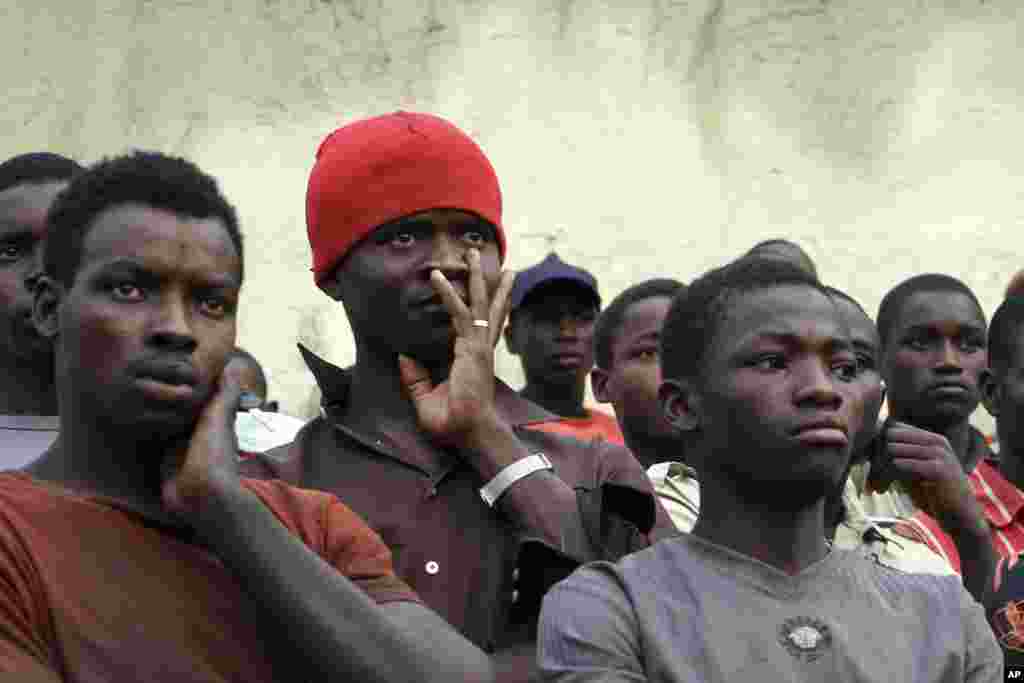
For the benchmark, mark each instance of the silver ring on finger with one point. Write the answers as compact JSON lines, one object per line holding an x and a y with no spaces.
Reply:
{"x":479,"y":322}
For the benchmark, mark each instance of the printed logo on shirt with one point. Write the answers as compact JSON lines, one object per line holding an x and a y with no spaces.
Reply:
{"x":806,"y":638}
{"x":1008,"y":623}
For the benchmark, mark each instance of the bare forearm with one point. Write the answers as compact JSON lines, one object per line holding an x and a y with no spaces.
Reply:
{"x":541,"y":504}
{"x":978,"y":560}
{"x":313,"y":614}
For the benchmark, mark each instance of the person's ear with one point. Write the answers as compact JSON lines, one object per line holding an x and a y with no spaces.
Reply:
{"x":991,"y":392}
{"x":46,"y":302}
{"x":599,"y":383}
{"x":681,"y":404}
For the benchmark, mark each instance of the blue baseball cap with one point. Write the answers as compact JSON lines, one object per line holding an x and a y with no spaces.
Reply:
{"x":552,"y":269}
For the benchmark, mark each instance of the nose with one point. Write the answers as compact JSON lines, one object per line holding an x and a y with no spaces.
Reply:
{"x":569,"y":327}
{"x":171,"y":328}
{"x":818,"y":386}
{"x":949,"y":359}
{"x":449,"y":256}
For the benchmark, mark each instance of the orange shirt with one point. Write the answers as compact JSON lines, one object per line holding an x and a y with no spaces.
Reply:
{"x":596,"y":425}
{"x":91,"y":592}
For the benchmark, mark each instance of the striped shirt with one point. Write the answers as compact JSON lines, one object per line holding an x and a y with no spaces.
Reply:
{"x":1003,"y":505}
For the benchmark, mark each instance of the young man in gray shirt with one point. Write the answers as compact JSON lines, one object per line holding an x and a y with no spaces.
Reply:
{"x":760,"y":373}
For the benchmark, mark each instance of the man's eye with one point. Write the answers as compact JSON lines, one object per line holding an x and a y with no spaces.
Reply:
{"x":847,"y":371}
{"x":970,"y":345}
{"x":127,"y":291}
{"x":865,"y":362}
{"x":916,"y":343}
{"x":769,"y":363}
{"x":403,"y":239}
{"x":474,"y":237}
{"x":647,"y":354}
{"x":11,"y":252}
{"x":216,"y":307}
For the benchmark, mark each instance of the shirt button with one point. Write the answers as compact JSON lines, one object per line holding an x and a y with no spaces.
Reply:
{"x":515,"y":574}
{"x":432,"y":567}
{"x":515,"y":597}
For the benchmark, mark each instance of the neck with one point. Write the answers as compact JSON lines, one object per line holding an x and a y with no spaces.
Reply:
{"x":375,"y":381}
{"x":27,"y":388}
{"x":789,"y":539}
{"x":560,"y":400}
{"x":94,"y":457}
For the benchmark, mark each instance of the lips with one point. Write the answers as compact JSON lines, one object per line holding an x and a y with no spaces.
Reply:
{"x":175,"y":374}
{"x":949,"y":389}
{"x":826,"y":432}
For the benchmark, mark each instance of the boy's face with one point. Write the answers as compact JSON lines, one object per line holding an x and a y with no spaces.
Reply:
{"x":935,"y":359}
{"x":777,"y":407}
{"x":553,"y":331}
{"x":631,"y":384}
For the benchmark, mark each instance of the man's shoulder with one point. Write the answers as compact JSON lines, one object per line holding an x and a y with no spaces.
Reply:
{"x":24,"y":491}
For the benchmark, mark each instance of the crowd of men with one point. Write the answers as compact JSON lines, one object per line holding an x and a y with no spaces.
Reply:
{"x":747,"y":514}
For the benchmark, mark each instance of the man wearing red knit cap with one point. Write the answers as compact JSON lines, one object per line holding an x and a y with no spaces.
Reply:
{"x":418,"y":437}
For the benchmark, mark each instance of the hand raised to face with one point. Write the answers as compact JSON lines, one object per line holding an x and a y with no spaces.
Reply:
{"x":454,"y":408}
{"x":210,"y":460}
{"x":926,"y":466}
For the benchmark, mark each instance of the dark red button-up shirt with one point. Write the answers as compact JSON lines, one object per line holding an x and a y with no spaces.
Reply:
{"x":468,"y":562}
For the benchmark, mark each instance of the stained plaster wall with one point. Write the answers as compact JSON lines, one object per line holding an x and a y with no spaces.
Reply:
{"x":637,"y":138}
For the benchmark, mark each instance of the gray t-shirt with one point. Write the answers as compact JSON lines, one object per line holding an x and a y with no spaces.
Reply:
{"x":23,"y":438}
{"x":687,"y":611}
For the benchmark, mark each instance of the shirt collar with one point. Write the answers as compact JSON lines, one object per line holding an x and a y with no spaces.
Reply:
{"x":334,"y":387}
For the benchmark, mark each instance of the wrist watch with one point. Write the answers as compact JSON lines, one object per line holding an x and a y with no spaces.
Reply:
{"x":511,"y":474}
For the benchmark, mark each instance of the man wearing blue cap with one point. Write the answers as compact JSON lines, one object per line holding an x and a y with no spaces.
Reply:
{"x":551,"y":326}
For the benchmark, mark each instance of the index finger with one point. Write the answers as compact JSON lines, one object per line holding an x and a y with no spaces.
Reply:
{"x":905,"y":433}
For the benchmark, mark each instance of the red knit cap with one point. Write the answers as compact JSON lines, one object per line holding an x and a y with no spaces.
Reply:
{"x":380,"y":169}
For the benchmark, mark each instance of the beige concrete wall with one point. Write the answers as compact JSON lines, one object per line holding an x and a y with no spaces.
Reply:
{"x":640,"y":138}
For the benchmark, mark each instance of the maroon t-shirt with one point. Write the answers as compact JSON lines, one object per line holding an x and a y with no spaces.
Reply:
{"x":93,"y":593}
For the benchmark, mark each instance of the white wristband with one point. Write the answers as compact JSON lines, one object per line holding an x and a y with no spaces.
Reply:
{"x":511,"y":474}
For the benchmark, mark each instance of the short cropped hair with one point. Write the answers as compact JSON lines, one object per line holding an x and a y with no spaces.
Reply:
{"x":1016,"y":285}
{"x":148,"y":178}
{"x":697,"y":313}
{"x":891,"y":308}
{"x":808,"y":261}
{"x":607,"y":327}
{"x":37,"y":168}
{"x":1004,"y":332}
{"x":838,"y":293}
{"x":251,"y":361}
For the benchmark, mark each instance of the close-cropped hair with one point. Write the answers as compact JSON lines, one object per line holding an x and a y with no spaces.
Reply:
{"x":37,"y":168}
{"x":840,"y":294}
{"x":891,"y":308}
{"x":606,"y":329}
{"x":151,"y":179}
{"x":692,"y":323}
{"x":1016,"y":285}
{"x":1004,"y":333}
